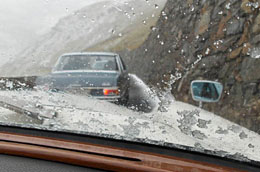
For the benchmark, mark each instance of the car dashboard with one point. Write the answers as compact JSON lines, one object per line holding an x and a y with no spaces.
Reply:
{"x":55,"y":151}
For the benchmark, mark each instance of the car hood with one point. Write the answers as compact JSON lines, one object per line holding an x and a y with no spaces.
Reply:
{"x":80,"y":79}
{"x":182,"y":126}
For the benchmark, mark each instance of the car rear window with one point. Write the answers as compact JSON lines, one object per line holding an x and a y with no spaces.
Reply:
{"x":87,"y":62}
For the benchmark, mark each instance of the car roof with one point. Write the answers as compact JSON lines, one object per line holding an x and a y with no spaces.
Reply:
{"x":91,"y":53}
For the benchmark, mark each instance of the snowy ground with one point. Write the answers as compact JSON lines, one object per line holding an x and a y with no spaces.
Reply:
{"x":179,"y":124}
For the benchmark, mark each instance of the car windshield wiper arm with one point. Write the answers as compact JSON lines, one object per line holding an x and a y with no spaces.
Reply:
{"x":27,"y":108}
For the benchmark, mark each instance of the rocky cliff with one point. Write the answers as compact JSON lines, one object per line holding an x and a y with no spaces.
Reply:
{"x":217,"y":40}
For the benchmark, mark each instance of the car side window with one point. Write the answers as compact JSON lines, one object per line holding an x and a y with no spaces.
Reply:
{"x":123,"y":64}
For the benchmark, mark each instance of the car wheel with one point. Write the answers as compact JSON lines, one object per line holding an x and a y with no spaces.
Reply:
{"x":124,"y":100}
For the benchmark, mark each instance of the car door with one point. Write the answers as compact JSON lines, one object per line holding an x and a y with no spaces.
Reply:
{"x":124,"y":79}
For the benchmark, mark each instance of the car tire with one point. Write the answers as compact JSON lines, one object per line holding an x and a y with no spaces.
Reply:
{"x":124,"y":100}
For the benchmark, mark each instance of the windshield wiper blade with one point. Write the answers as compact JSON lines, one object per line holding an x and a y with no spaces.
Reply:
{"x":27,"y":108}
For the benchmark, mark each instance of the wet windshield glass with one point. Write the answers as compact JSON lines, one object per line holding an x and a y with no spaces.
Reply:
{"x":174,"y":73}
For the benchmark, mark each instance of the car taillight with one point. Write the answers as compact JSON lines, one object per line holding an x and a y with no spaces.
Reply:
{"x":108,"y":92}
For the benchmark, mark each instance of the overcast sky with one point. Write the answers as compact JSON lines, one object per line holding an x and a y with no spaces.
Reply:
{"x":21,"y":21}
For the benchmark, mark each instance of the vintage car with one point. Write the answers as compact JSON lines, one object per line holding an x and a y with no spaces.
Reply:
{"x":97,"y":74}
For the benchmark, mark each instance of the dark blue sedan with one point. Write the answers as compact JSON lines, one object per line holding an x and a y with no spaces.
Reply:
{"x":98,"y":74}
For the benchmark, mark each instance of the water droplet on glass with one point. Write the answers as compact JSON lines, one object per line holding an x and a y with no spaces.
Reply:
{"x":163,"y":13}
{"x":228,"y":6}
{"x":207,"y":51}
{"x":192,"y":8}
{"x":161,"y":42}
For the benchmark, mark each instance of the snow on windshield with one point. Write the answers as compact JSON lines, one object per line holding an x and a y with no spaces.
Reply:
{"x":180,"y":125}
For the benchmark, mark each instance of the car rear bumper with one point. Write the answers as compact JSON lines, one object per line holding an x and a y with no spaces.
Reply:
{"x":95,"y":92}
{"x":108,"y":98}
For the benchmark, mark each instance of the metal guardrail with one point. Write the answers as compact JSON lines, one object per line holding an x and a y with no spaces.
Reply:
{"x":13,"y":83}
{"x":27,"y":108}
{"x":21,"y":106}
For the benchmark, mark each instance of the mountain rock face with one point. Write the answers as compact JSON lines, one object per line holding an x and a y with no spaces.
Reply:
{"x":215,"y":40}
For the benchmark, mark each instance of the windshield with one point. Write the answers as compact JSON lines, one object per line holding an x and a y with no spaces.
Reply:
{"x":86,"y":62}
{"x":179,"y":74}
